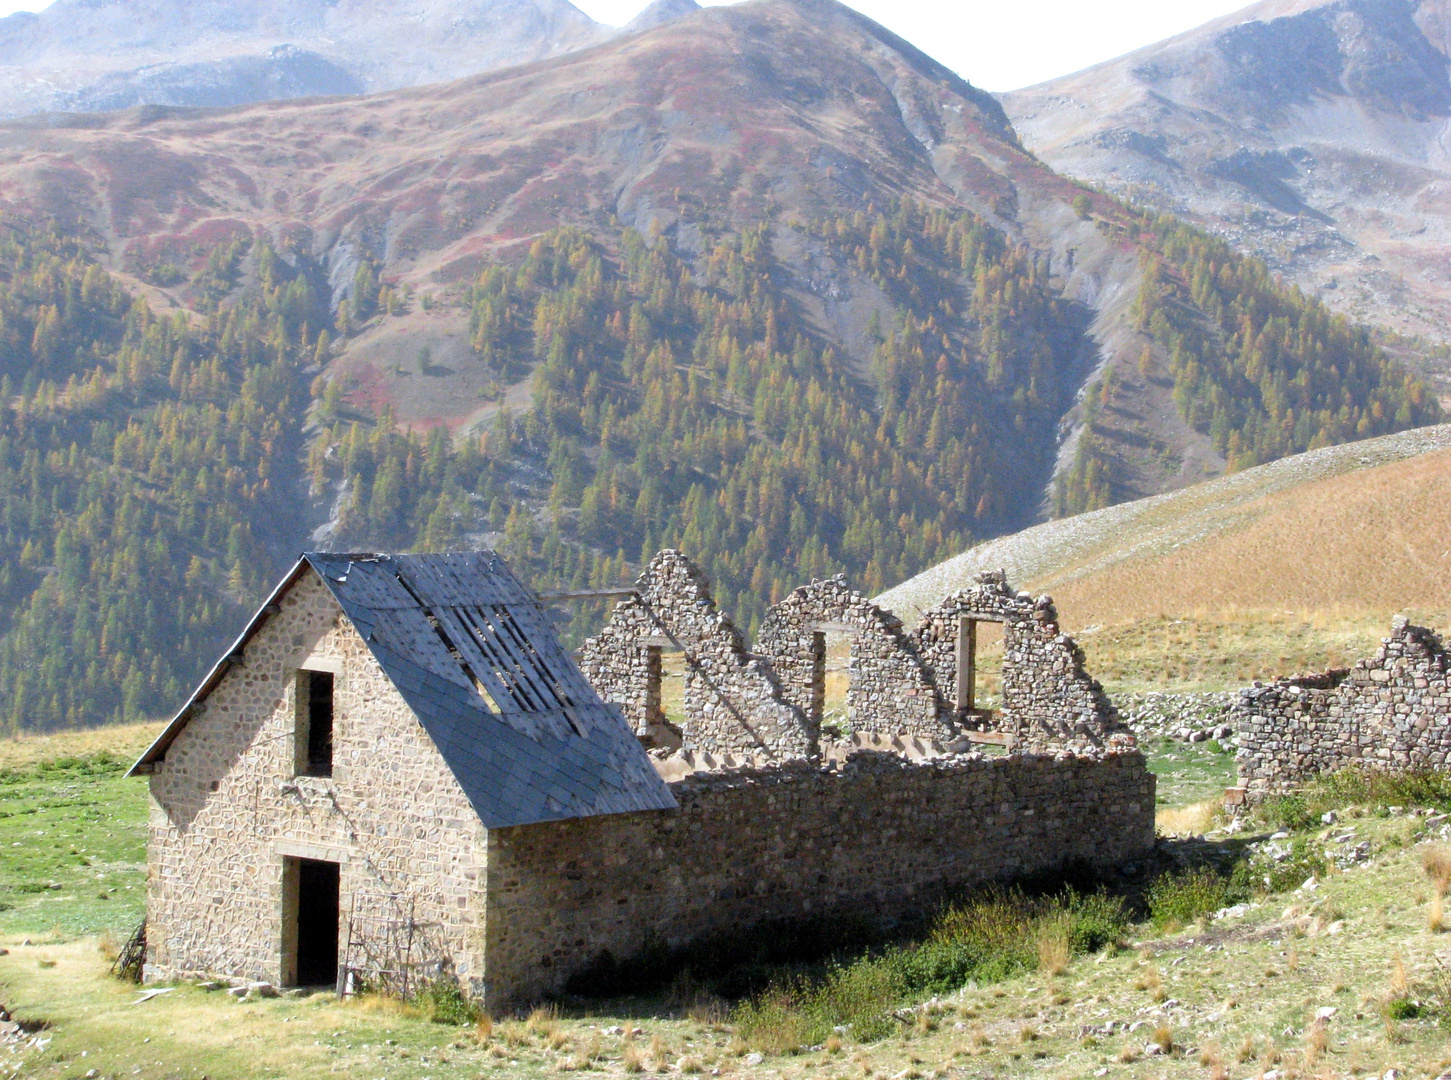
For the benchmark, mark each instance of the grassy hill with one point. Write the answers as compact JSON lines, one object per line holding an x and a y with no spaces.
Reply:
{"x":1298,"y":564}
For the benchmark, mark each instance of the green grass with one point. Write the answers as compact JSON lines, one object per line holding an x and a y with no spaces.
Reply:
{"x":1190,"y":772}
{"x":72,"y":848}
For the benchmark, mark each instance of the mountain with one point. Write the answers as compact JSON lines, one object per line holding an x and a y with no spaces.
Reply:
{"x":87,"y":55}
{"x":763,"y":282}
{"x":1211,"y":585}
{"x":1311,"y":134}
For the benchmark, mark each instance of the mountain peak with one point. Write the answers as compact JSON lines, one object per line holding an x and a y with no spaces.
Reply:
{"x":661,"y":11}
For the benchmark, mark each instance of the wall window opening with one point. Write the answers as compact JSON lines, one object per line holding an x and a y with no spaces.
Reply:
{"x":979,"y":669}
{"x":315,"y":723}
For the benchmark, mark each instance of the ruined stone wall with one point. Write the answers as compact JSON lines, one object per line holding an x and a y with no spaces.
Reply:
{"x":882,"y":837}
{"x":890,"y":690}
{"x":1390,"y":712}
{"x":1049,"y":701}
{"x":732,"y":701}
{"x":227,"y":809}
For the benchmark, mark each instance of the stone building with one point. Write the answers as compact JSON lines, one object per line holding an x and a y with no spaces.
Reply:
{"x":1389,"y":712}
{"x":397,"y":773}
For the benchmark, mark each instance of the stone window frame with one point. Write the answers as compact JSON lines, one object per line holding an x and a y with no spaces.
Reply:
{"x":301,"y":718}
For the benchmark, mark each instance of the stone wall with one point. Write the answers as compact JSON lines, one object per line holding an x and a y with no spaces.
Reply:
{"x":890,"y":690}
{"x":227,"y":810}
{"x":732,"y":700}
{"x":768,"y":703}
{"x":1389,"y":712}
{"x":880,"y":837}
{"x":1049,"y":701}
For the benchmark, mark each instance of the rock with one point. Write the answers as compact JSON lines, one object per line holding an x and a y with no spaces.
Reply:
{"x":209,"y":985}
{"x":752,"y":1060}
{"x":1310,"y":886}
{"x":615,"y":1030}
{"x":237,"y":992}
{"x":262,"y":990}
{"x":1152,"y":1049}
{"x":1283,"y":834}
{"x":1325,"y":1012}
{"x":1329,"y":817}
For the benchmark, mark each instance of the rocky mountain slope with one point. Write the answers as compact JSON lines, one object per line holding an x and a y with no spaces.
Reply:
{"x":1312,"y":133}
{"x":764,"y":282}
{"x":78,"y":56}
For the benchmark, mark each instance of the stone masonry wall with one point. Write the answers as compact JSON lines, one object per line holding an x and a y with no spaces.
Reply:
{"x":227,"y":809}
{"x":1389,"y":712}
{"x":882,"y":837}
{"x":889,"y":689}
{"x":764,"y":703}
{"x":1049,"y":701}
{"x":732,"y":700}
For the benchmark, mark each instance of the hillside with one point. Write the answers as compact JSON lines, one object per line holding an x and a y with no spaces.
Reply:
{"x":1293,"y":565}
{"x":81,"y":56}
{"x":1310,"y":133}
{"x":765,"y":283}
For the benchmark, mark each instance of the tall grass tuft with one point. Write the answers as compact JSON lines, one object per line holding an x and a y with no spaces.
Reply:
{"x":990,"y":937}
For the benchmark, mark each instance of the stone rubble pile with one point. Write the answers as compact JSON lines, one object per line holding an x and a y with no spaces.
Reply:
{"x":1191,"y":718}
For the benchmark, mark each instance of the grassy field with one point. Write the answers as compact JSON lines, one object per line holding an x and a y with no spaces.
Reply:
{"x":1229,"y":998}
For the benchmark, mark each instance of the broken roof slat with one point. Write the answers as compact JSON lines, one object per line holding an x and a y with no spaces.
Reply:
{"x":535,"y":624}
{"x":493,"y":629}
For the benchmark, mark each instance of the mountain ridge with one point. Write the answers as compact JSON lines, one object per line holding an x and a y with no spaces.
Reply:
{"x":78,"y":56}
{"x":1311,"y":134}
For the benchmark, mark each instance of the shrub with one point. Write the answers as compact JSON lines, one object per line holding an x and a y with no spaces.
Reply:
{"x":443,"y":1002}
{"x":1177,"y":899}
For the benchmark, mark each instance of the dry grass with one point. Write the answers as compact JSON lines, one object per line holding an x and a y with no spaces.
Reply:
{"x":1436,"y":861}
{"x":124,"y":741}
{"x":1209,"y":589}
{"x":1194,"y":820}
{"x":1054,"y":948}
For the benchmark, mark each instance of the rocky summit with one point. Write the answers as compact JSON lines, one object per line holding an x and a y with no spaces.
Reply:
{"x":1310,"y":133}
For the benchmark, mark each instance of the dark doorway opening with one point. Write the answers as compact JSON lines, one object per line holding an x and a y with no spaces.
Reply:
{"x":317,"y":923}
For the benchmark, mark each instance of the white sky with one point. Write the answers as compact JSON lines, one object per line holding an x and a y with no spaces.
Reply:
{"x":995,"y":44}
{"x":1006,"y":44}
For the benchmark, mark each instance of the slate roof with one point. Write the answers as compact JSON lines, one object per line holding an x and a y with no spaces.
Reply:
{"x":473,"y":654}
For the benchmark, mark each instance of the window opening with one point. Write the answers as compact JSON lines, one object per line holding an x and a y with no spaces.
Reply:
{"x":979,"y":668}
{"x":831,"y":648}
{"x":315,"y":723}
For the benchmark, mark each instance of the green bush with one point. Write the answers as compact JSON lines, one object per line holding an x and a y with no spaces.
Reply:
{"x":1177,"y":899}
{"x":1355,"y":787}
{"x":1404,"y":1009}
{"x":443,"y":1002}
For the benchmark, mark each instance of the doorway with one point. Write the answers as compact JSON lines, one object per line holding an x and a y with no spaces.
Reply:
{"x":315,"y":925}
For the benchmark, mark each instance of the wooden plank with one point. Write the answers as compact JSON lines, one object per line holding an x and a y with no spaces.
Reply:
{"x":553,"y":595}
{"x":993,"y":738}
